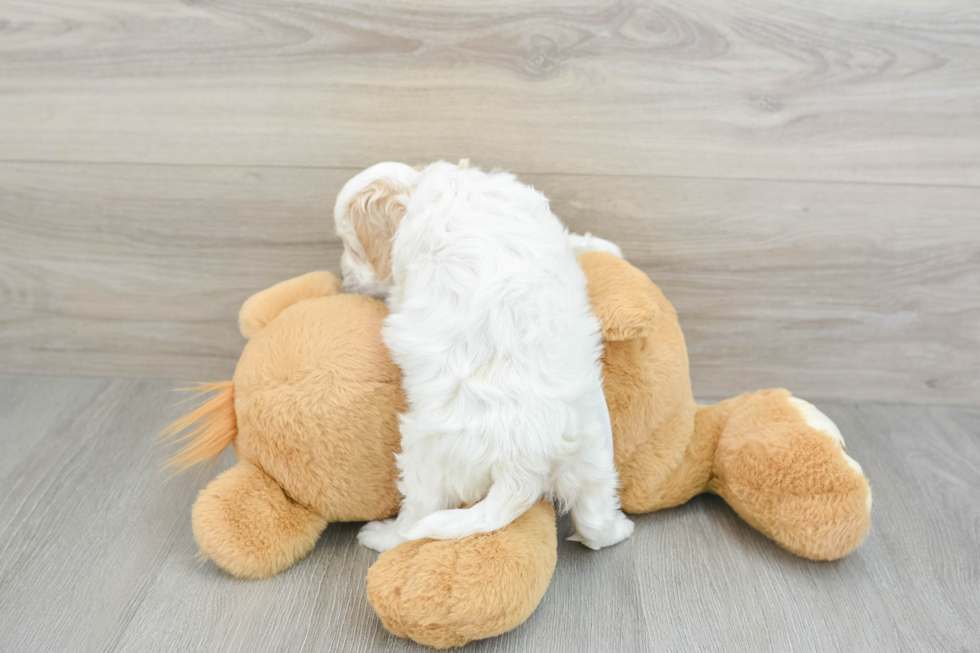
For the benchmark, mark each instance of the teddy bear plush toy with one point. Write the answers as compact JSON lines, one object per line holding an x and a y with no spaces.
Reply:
{"x":312,"y":413}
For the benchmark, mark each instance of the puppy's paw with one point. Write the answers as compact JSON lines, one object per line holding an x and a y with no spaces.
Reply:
{"x":614,"y":533}
{"x":380,"y":535}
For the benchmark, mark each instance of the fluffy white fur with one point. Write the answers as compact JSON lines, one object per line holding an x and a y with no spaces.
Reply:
{"x":491,"y":325}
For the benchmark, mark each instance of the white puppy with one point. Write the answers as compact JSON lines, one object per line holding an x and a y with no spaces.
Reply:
{"x":491,"y":325}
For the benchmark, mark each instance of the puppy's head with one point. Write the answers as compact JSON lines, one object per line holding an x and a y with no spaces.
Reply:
{"x":367,"y":213}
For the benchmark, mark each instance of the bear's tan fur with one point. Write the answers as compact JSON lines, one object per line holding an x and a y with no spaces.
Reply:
{"x":312,"y":413}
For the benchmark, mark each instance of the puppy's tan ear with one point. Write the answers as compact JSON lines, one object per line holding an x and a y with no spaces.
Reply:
{"x":368,"y":211}
{"x":374,"y":214}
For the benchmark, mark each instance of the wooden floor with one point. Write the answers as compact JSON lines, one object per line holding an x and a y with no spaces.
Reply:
{"x":96,"y":552}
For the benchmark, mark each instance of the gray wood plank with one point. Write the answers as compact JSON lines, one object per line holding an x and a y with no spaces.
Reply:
{"x":83,"y":529}
{"x":140,"y":271}
{"x":871,"y":91}
{"x":843,"y":292}
{"x":837,"y":291}
{"x":96,"y":551}
{"x":909,"y":587}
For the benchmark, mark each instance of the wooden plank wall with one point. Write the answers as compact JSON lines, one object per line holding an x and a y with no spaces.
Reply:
{"x":802,"y":179}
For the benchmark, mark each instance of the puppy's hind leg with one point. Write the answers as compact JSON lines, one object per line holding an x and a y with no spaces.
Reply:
{"x":422,"y":494}
{"x":589,"y":483}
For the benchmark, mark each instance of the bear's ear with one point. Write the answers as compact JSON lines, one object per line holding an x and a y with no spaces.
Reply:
{"x":623,"y":298}
{"x":263,"y":307}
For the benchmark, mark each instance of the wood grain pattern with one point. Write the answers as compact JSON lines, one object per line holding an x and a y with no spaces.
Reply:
{"x":142,"y":270}
{"x":872,"y":91}
{"x":802,"y":180}
{"x":837,"y":291}
{"x":96,"y":552}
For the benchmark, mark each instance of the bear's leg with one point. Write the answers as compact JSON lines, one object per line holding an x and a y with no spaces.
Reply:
{"x":444,"y":593}
{"x":245,"y":523}
{"x":781,"y":464}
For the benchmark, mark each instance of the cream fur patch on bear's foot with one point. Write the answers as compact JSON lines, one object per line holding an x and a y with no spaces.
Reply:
{"x":820,"y":422}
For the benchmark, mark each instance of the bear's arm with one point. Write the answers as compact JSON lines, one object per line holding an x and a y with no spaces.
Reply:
{"x":623,"y":298}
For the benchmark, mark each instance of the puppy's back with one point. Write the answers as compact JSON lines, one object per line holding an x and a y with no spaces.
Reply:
{"x":490,"y":293}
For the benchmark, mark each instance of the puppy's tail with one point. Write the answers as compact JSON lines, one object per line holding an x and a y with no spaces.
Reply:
{"x":505,"y":502}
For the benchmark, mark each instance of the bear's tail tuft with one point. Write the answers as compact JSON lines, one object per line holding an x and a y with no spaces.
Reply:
{"x":210,"y":427}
